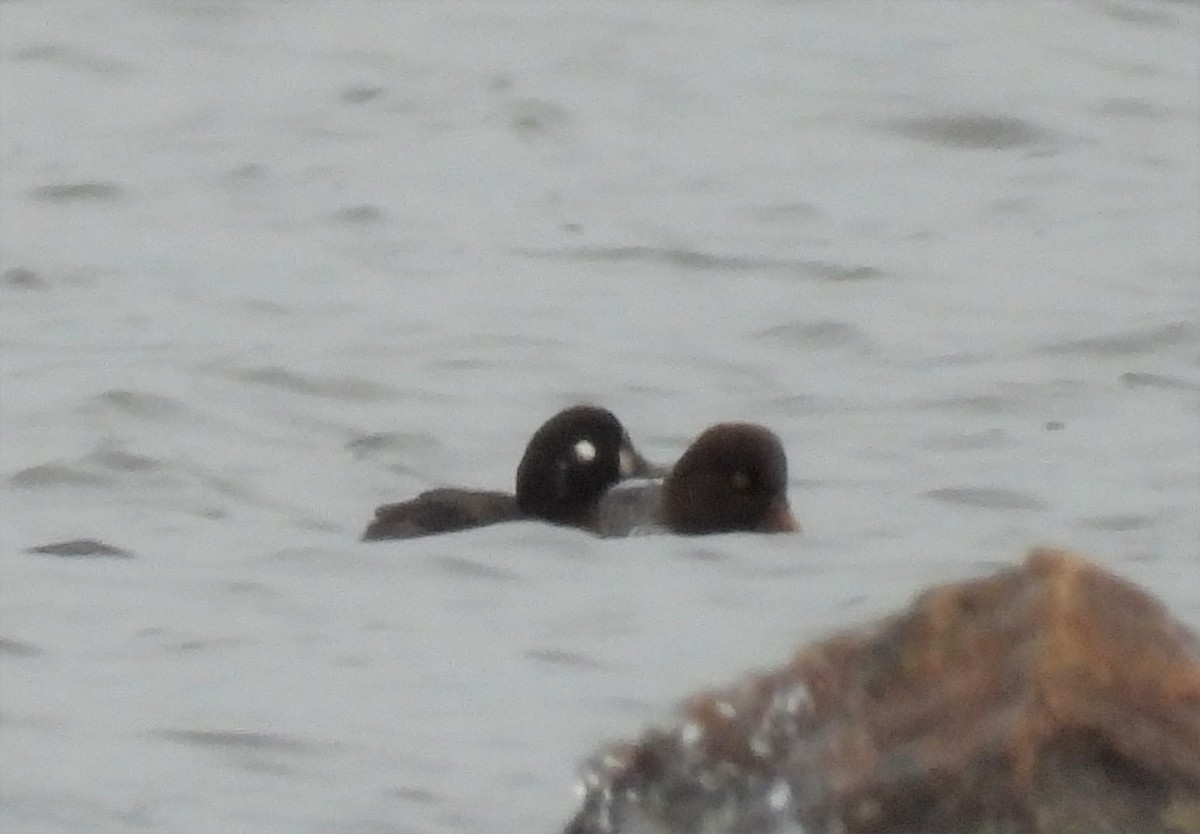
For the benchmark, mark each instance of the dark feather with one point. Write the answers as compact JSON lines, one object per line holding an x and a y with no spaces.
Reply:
{"x":441,"y":511}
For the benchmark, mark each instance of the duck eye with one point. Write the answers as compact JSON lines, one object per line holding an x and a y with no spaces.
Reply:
{"x":585,"y":451}
{"x":740,"y":480}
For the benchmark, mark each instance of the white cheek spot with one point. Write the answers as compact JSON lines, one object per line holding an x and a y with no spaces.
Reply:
{"x":585,"y":451}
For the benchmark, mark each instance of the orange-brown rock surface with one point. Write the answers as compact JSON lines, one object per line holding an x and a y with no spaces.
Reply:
{"x":1053,"y":698}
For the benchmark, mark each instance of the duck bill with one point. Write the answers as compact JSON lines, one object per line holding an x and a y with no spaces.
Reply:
{"x":781,"y":519}
{"x":633,"y":465}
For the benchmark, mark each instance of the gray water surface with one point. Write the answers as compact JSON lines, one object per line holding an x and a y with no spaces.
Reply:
{"x":265,"y":265}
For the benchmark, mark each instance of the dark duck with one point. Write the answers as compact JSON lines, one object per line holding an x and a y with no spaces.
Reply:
{"x":733,"y":478}
{"x":568,"y":465}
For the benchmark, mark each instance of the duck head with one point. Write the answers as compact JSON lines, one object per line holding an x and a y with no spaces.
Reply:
{"x":732,"y":478}
{"x":572,"y":460}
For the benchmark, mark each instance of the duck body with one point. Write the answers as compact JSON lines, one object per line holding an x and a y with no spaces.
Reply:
{"x":443,"y":510}
{"x":630,"y":508}
{"x":569,"y":463}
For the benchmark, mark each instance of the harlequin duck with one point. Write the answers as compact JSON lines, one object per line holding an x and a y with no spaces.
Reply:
{"x":568,"y":465}
{"x":732,"y":478}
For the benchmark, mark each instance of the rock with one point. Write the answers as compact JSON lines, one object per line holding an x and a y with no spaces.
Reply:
{"x":81,"y":547}
{"x":1053,"y":698}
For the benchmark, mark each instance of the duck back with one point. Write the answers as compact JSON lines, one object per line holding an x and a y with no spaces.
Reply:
{"x":441,"y":511}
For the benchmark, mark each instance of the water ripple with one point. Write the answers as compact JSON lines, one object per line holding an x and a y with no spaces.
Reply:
{"x":993,"y":498}
{"x":1119,"y":522}
{"x":18,"y":648}
{"x":141,"y":403}
{"x":75,"y":59}
{"x":236,"y":740}
{"x":56,"y":474}
{"x":816,"y":334}
{"x":560,"y":657}
{"x":78,"y":192}
{"x":972,"y":131}
{"x":689,"y":259}
{"x":80,"y":548}
{"x":1137,"y":379}
{"x":341,"y":388}
{"x":461,"y":566}
{"x":1129,"y":343}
